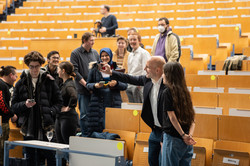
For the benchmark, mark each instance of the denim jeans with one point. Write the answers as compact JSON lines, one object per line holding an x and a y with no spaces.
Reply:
{"x":154,"y":147}
{"x":175,"y":152}
{"x":83,"y":101}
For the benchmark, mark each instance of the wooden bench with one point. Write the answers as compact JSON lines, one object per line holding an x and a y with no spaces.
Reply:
{"x":230,"y":100}
{"x":233,"y":150}
{"x":129,"y":138}
{"x":141,"y":150}
{"x":122,"y":119}
{"x":208,"y":145}
{"x":195,"y":80}
{"x":241,"y":82}
{"x":206,"y":126}
{"x":234,"y":128}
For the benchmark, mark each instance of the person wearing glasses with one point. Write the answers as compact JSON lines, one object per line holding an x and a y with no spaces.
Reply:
{"x":36,"y":101}
{"x":53,"y":59}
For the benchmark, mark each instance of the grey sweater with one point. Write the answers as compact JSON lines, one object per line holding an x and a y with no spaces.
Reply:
{"x":80,"y":58}
{"x":110,"y":23}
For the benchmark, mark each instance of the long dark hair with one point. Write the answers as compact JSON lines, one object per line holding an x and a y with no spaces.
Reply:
{"x":175,"y":81}
{"x":6,"y":70}
{"x":68,"y":67}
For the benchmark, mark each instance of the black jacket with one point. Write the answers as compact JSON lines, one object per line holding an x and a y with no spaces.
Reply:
{"x":147,"y":114}
{"x":48,"y":102}
{"x":58,"y":80}
{"x":69,"y":95}
{"x":5,"y":111}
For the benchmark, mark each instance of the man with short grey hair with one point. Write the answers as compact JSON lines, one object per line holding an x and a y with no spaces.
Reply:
{"x":152,"y":109}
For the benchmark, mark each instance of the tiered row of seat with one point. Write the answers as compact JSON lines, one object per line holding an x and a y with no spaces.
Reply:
{"x":220,"y":94}
{"x":212,"y":30}
{"x":213,"y":133}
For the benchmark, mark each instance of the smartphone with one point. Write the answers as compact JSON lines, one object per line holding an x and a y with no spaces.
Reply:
{"x":31,"y":100}
{"x":102,"y":82}
{"x":100,"y":66}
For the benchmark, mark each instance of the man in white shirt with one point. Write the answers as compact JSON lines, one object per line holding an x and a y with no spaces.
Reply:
{"x":152,"y":109}
{"x":136,"y":63}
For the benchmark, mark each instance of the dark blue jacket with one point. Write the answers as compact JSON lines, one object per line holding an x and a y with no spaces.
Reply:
{"x":100,"y":99}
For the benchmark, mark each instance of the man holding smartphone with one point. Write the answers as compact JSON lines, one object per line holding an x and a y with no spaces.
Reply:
{"x":37,"y":100}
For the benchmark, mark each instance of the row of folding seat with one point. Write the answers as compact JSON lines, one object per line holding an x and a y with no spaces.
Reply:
{"x":129,"y":17}
{"x":142,"y":3}
{"x":117,"y":10}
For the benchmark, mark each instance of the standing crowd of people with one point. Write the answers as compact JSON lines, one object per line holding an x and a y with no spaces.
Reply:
{"x":44,"y":99}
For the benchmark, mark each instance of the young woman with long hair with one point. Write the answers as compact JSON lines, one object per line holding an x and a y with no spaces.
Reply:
{"x":178,"y":118}
{"x":120,"y":56}
{"x":67,"y":120}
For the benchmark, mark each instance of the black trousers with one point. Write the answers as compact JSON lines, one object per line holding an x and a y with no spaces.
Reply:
{"x":36,"y":157}
{"x":66,"y":126}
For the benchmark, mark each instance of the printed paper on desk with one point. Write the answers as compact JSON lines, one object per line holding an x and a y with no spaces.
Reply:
{"x":194,"y":156}
{"x":145,"y":149}
{"x":231,"y":161}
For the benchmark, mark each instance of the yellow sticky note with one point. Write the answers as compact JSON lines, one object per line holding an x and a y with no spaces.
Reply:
{"x":236,"y":28}
{"x":8,"y":32}
{"x":181,"y":39}
{"x":20,"y":62}
{"x":135,"y":112}
{"x":119,"y":146}
{"x":213,"y":77}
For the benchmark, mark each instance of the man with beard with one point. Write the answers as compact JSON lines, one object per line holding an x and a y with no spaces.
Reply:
{"x":166,"y":44}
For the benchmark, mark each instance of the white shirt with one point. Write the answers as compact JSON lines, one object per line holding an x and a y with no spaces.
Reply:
{"x":154,"y":100}
{"x":137,"y":61}
{"x":34,"y":81}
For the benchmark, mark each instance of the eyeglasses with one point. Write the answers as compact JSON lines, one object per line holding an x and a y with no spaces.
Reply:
{"x":54,"y":57}
{"x":34,"y":67}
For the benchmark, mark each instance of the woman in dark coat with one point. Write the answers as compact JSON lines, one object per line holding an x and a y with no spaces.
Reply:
{"x":36,"y":101}
{"x":105,"y":93}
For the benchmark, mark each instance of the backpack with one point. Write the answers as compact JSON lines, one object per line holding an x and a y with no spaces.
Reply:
{"x":233,"y":63}
{"x":179,"y":45}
